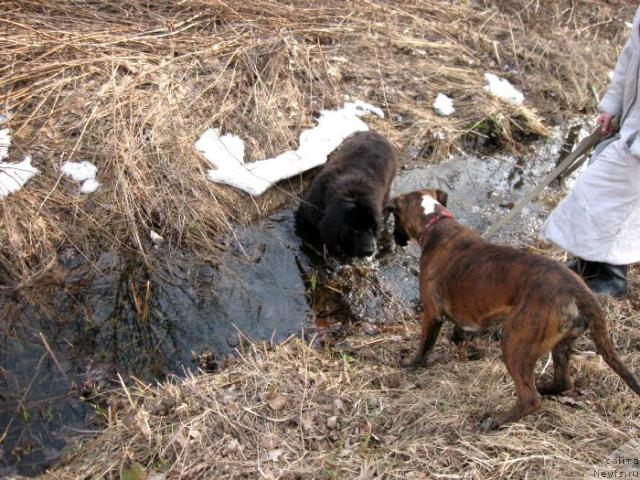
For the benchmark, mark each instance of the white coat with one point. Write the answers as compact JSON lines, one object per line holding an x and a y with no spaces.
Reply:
{"x":599,"y":220}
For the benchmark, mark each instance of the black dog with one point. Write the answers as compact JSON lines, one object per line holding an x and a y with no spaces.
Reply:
{"x":343,"y":206}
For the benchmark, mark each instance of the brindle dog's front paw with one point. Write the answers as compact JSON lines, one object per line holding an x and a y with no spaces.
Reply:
{"x":414,"y":363}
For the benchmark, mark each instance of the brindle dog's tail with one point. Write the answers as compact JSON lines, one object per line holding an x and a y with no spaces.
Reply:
{"x":597,"y":323}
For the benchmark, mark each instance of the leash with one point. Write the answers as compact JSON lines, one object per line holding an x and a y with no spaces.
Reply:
{"x":576,"y":158}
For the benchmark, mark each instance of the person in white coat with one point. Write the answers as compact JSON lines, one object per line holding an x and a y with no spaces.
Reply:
{"x":599,"y":220}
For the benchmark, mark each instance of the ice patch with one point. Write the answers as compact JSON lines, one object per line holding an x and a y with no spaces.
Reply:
{"x":628,"y":24}
{"x":443,"y":105}
{"x":13,"y":176}
{"x":610,"y":74}
{"x":82,"y":172}
{"x":501,"y":88}
{"x":226,"y":152}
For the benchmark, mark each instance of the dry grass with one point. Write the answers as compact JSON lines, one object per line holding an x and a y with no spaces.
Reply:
{"x":131,"y":85}
{"x":299,"y":412}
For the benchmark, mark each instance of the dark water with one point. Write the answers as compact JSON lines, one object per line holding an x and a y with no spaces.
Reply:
{"x":106,"y":318}
{"x":118,"y":315}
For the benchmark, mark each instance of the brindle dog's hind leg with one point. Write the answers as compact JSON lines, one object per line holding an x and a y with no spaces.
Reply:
{"x":520,"y":351}
{"x":562,"y":380}
{"x":431,"y":325}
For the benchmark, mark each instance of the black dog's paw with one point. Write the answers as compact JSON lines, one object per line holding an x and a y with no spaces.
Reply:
{"x":303,"y":227}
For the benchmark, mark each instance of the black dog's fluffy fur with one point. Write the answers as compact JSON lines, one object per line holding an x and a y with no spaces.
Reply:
{"x":343,"y":206}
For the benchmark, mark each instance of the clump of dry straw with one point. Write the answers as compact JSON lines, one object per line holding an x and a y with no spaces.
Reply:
{"x":131,"y":85}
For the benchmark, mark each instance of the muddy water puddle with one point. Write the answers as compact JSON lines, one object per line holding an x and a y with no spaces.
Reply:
{"x":115,"y":315}
{"x":107,"y":319}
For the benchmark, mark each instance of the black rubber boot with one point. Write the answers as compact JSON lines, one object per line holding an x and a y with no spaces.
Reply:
{"x":584,"y":268}
{"x":610,"y":280}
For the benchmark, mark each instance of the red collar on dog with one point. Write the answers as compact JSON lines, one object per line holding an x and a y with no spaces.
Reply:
{"x":435,"y":218}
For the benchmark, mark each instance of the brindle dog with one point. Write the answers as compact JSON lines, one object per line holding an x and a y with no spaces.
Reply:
{"x":543,"y":306}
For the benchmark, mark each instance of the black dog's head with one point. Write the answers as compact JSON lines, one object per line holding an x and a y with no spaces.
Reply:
{"x":410,"y":211}
{"x":350,"y":226}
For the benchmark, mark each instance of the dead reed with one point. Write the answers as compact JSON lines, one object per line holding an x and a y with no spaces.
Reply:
{"x":130,"y":85}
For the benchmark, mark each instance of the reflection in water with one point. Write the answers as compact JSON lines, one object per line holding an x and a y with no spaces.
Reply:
{"x":118,"y":315}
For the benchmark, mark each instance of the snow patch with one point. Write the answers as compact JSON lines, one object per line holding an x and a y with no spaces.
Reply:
{"x":503,"y":89}
{"x":5,"y":142}
{"x":443,"y":105}
{"x":156,"y":238}
{"x":79,"y":171}
{"x":82,"y":172}
{"x":610,"y":74}
{"x":360,"y":108}
{"x":89,"y":186}
{"x":226,"y":152}
{"x":13,"y":176}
